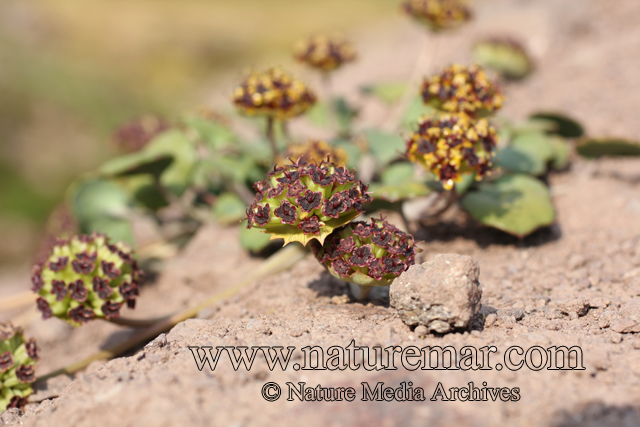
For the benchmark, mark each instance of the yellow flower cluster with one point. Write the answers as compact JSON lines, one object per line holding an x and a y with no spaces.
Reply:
{"x":325,"y":52}
{"x":453,"y":145}
{"x":460,"y":89}
{"x":274,"y":93}
{"x":314,"y":150}
{"x":438,"y":14}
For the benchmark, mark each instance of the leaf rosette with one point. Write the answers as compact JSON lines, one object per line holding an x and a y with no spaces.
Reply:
{"x":368,"y":254}
{"x":86,"y":277}
{"x":306,"y":201}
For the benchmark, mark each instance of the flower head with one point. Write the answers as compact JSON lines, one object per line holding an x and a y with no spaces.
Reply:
{"x":452,"y":145}
{"x":460,"y":89}
{"x":314,"y":150}
{"x":274,"y":93}
{"x":86,"y":277}
{"x":324,"y":52}
{"x":135,"y":134}
{"x":368,"y":254}
{"x":438,"y":15}
{"x":17,"y":366}
{"x":306,"y":201}
{"x":504,"y":55}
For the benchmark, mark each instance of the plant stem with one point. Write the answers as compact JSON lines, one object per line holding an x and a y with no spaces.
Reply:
{"x":280,"y":261}
{"x":271,"y":137}
{"x":360,"y":292}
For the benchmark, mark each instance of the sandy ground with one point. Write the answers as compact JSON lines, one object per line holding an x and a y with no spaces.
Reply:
{"x":576,"y":283}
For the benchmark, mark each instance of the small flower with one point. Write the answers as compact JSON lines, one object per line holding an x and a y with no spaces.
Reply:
{"x":273,"y":93}
{"x":17,"y":366}
{"x":86,"y":277}
{"x":367,"y":254}
{"x":136,"y":134}
{"x":306,"y":200}
{"x":504,"y":55}
{"x":325,"y":52}
{"x":314,"y":150}
{"x":452,"y":145}
{"x":460,"y":89}
{"x":438,"y":15}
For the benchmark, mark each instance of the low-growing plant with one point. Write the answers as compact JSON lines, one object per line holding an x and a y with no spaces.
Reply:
{"x":18,"y":357}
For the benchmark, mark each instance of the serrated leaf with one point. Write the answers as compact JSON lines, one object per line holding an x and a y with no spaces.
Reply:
{"x":252,"y":239}
{"x":565,"y":126}
{"x":389,"y":92}
{"x":614,"y":147}
{"x":291,"y":233}
{"x":515,"y":203}
{"x":229,"y":208}
{"x":384,"y":146}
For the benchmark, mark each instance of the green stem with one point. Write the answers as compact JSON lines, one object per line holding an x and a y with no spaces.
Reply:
{"x":271,"y":137}
{"x":280,"y":261}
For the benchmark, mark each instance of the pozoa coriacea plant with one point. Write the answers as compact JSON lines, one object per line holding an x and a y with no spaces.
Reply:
{"x":86,"y":277}
{"x":367,"y":254}
{"x":306,"y":200}
{"x":18,"y":358}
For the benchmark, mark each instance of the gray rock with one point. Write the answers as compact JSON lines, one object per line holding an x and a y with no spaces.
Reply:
{"x":442,"y":294}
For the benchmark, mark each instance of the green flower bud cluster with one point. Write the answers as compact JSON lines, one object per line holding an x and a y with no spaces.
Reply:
{"x":17,"y":366}
{"x":86,"y":277}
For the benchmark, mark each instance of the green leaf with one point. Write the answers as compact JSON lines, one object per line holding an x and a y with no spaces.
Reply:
{"x":384,"y":146}
{"x":102,"y":206}
{"x":560,"y":153}
{"x":467,"y":181}
{"x":389,"y":92}
{"x":512,"y":63}
{"x":354,"y":152}
{"x":345,"y":113}
{"x":565,"y":126}
{"x":252,"y":239}
{"x":515,"y":203}
{"x":170,"y":155}
{"x":143,"y":190}
{"x":398,"y":173}
{"x":395,"y":193}
{"x":229,"y":208}
{"x":215,"y":134}
{"x":614,"y":147}
{"x":319,"y":114}
{"x":414,"y":111}
{"x":514,"y":160}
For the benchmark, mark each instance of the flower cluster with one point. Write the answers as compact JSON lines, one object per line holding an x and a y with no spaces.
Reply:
{"x":17,"y":366}
{"x":134,"y":135}
{"x":438,"y":15}
{"x":314,"y":150}
{"x":86,"y":277}
{"x":460,"y":89}
{"x":324,"y":52}
{"x":273,"y":93}
{"x":452,"y":145}
{"x":504,"y":55}
{"x":368,"y":254}
{"x":305,"y":201}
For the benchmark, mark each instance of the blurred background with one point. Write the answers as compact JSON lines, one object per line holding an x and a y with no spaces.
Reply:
{"x":72,"y":71}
